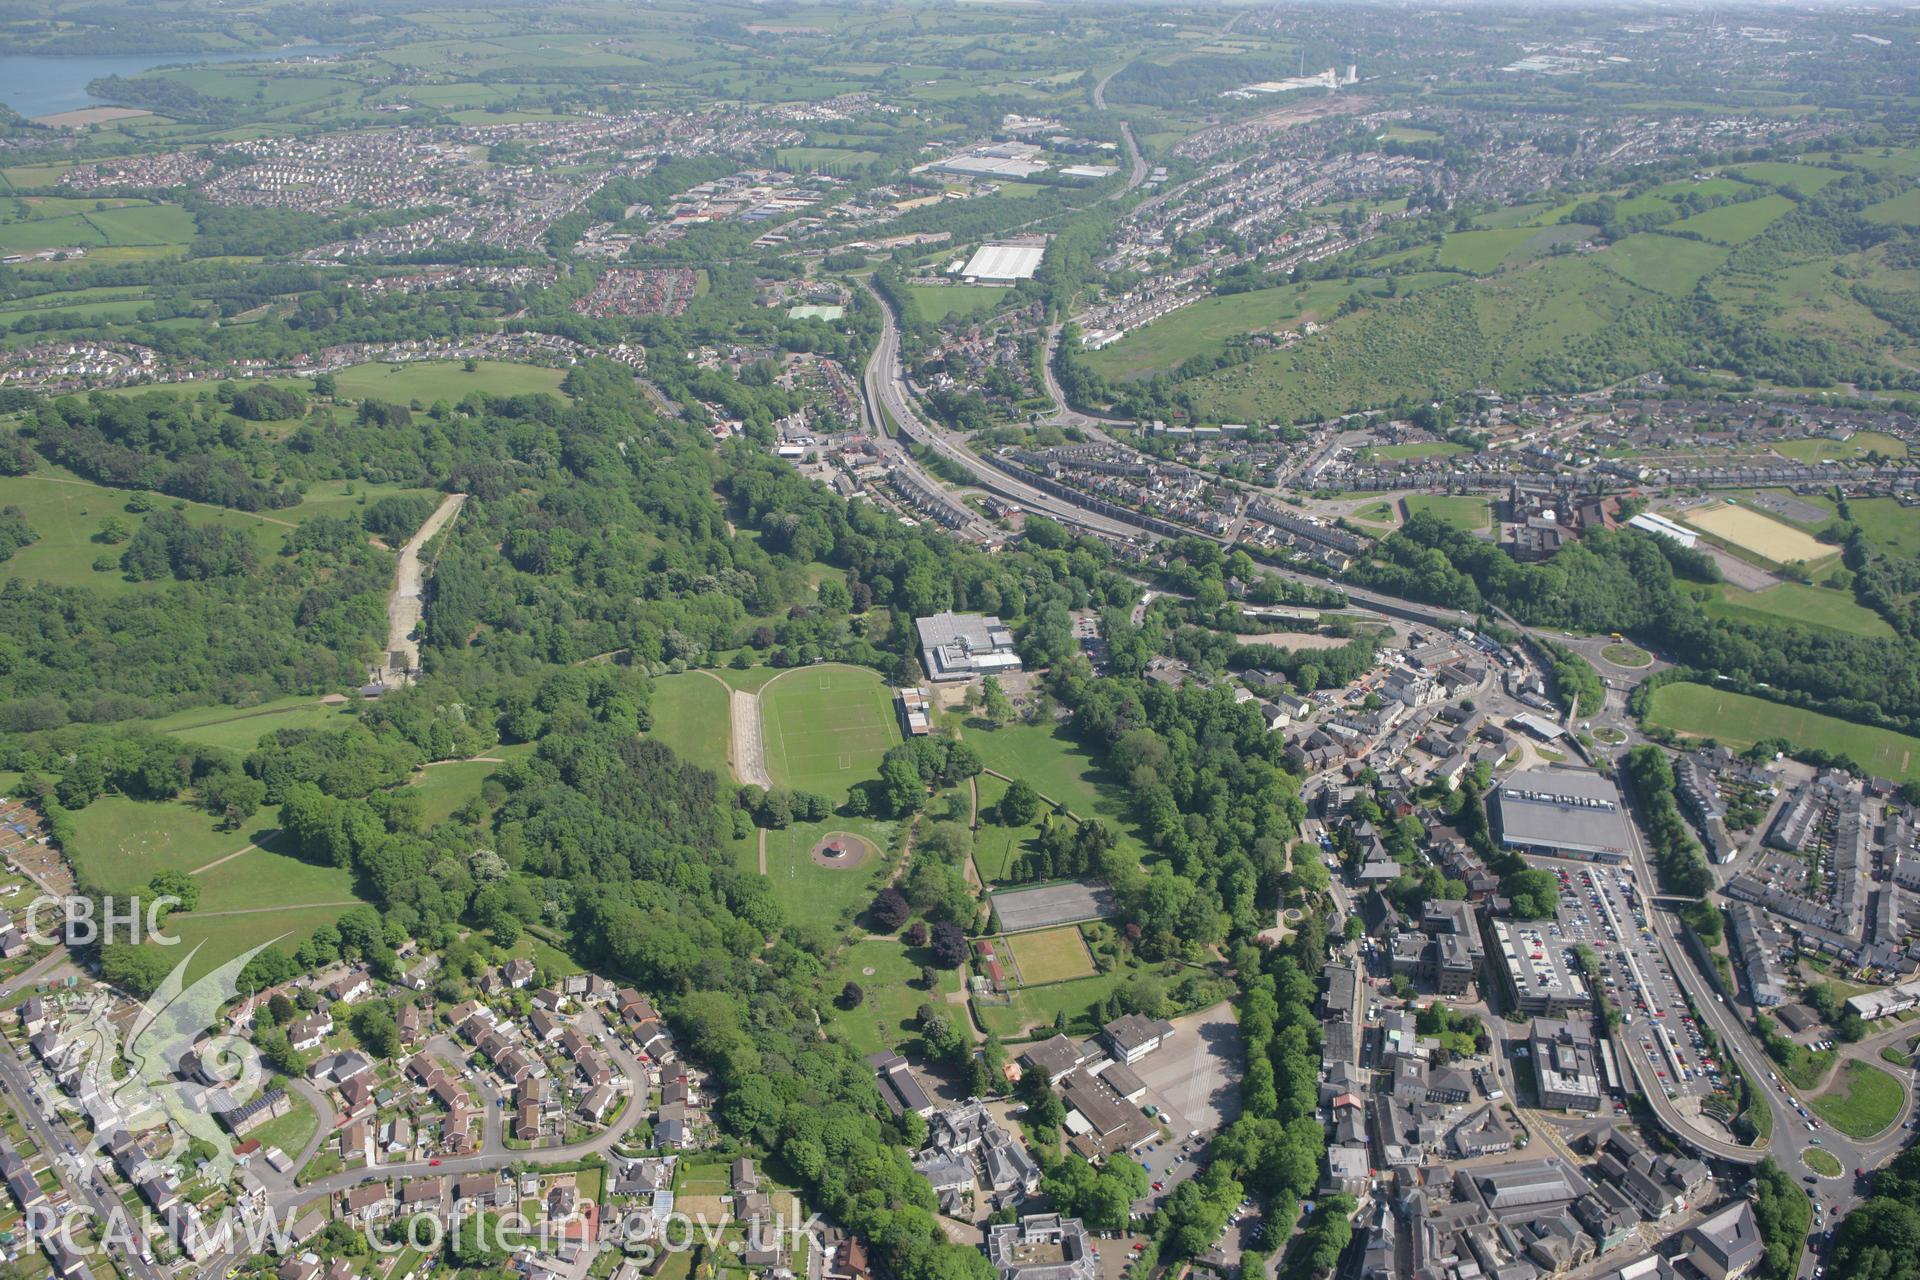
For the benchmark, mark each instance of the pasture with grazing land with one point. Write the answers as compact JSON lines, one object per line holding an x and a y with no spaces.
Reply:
{"x":826,"y":727}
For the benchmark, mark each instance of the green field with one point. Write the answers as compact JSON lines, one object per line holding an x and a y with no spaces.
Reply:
{"x":1888,"y":524}
{"x":1462,"y":511}
{"x":240,"y":729}
{"x":1736,"y":223}
{"x":830,"y":159}
{"x":1665,"y":264}
{"x":885,"y":1018}
{"x":1481,"y":252}
{"x":1738,"y":721}
{"x":119,"y":844}
{"x":448,"y":785}
{"x":1205,"y":326}
{"x":1862,"y":1102}
{"x":221,"y":938}
{"x":1061,"y":770}
{"x":1050,"y":955}
{"x":430,"y":380}
{"x":814,"y":895}
{"x":938,"y":301}
{"x":1803,"y":179}
{"x":1819,"y":607}
{"x":997,"y":849}
{"x":1901,"y":211}
{"x":1858,"y":445}
{"x":690,"y":714}
{"x":52,"y":222}
{"x":1036,"y":1007}
{"x":826,"y":727}
{"x":262,"y":878}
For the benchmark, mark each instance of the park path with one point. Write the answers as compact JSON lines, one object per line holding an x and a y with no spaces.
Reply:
{"x":249,"y":848}
{"x":260,"y":911}
{"x":405,"y":605}
{"x":763,"y":851}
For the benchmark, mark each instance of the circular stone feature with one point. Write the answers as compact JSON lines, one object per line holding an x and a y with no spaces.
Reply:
{"x":843,"y":851}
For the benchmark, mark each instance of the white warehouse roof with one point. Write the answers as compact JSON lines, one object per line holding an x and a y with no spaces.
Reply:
{"x":1004,"y":261}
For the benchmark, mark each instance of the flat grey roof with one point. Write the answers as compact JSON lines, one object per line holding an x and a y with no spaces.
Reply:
{"x":1569,"y":809}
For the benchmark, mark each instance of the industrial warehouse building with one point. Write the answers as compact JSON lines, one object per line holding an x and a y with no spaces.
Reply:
{"x":1562,"y":813}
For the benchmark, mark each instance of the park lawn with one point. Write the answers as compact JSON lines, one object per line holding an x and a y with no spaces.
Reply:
{"x":449,"y":785}
{"x":1734,"y":224}
{"x":66,"y":512}
{"x":1890,"y":526}
{"x":997,"y":849}
{"x":691,"y":715}
{"x":1664,"y":264}
{"x":291,"y":1131}
{"x":430,"y":380}
{"x":888,"y":973}
{"x":547,"y":958}
{"x":221,"y":938}
{"x":1862,"y":1102}
{"x":1857,"y":445}
{"x":265,"y":877}
{"x":825,"y":727}
{"x":1792,"y":602}
{"x":1738,"y":720}
{"x":1035,"y":1008}
{"x":1462,"y":511}
{"x":121,"y":844}
{"x":825,"y":897}
{"x":938,"y":301}
{"x":242,"y":729}
{"x":1061,"y":770}
{"x":1050,"y":955}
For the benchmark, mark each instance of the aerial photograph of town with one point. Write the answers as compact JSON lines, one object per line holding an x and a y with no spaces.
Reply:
{"x":959,"y":640}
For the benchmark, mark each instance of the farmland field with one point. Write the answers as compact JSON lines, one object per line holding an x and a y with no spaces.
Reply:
{"x":826,"y":727}
{"x":1762,"y":535}
{"x":1665,"y":264}
{"x":1736,"y":223}
{"x":1804,"y":179}
{"x":1739,"y":721}
{"x":1050,"y":955}
{"x":1901,"y":211}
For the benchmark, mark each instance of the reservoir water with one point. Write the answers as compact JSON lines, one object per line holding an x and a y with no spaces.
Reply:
{"x":41,"y":84}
